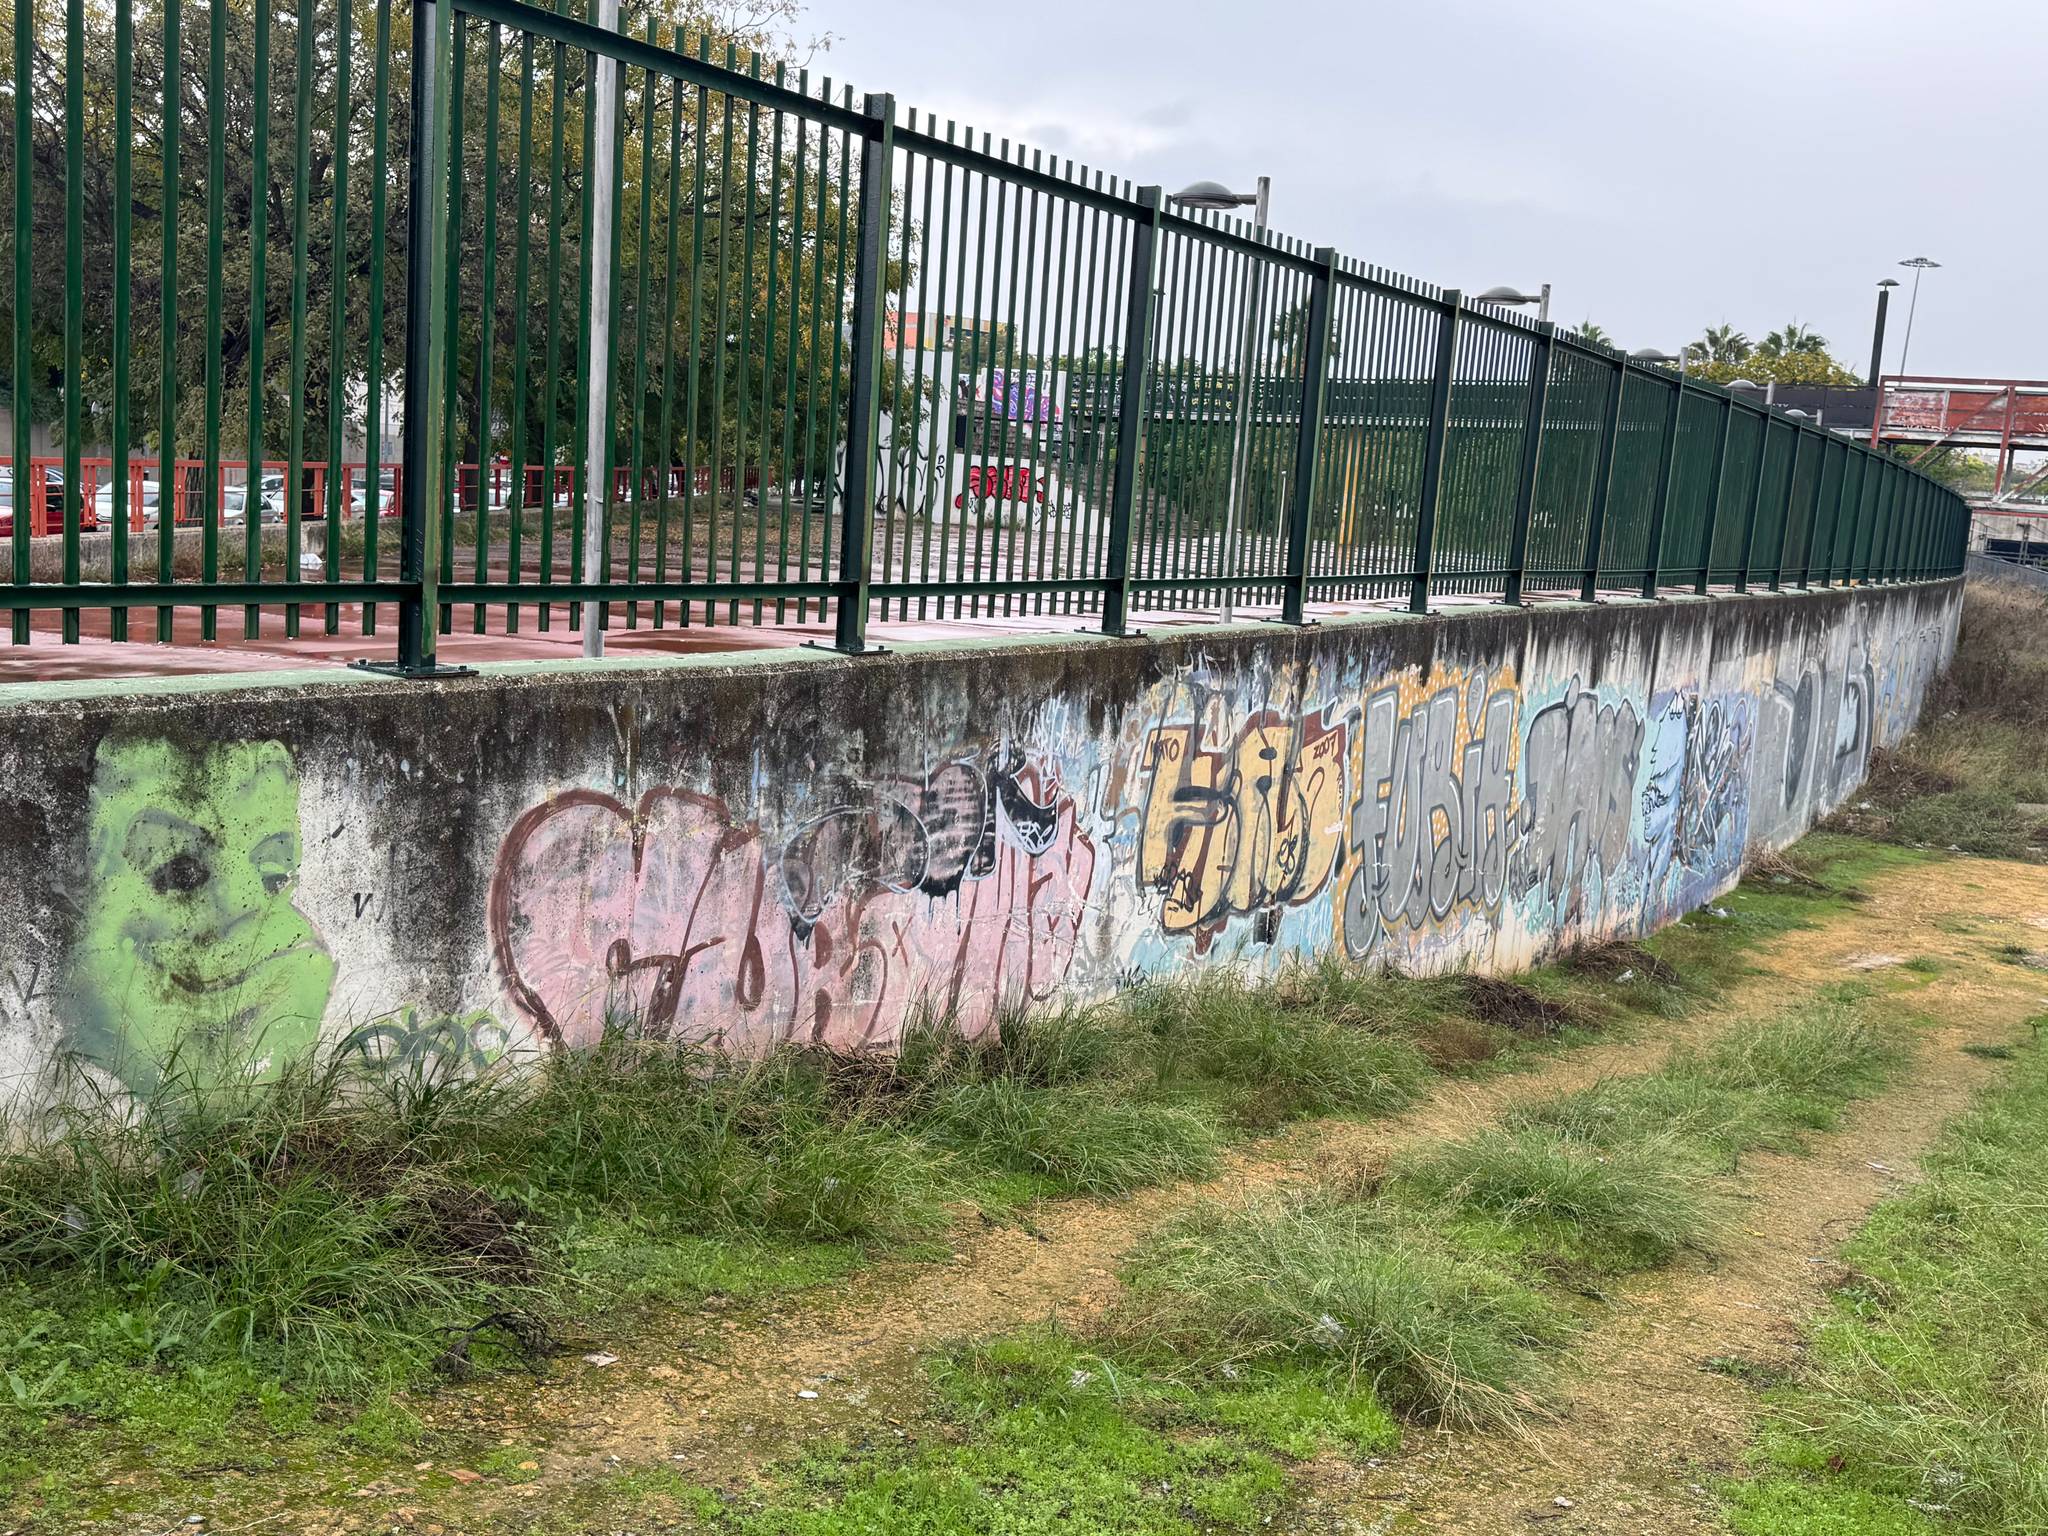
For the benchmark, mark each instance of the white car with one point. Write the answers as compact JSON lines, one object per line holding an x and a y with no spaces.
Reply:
{"x":103,"y":503}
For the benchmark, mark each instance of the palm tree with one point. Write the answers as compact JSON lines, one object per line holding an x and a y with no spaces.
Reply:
{"x":1719,"y":344}
{"x":1795,"y":340}
{"x":1588,"y":331}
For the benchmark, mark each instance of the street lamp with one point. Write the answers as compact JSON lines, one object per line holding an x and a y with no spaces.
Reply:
{"x":1214,"y":197}
{"x":1662,"y":359}
{"x":1514,"y":298}
{"x":1885,"y":285}
{"x":1919,"y":264}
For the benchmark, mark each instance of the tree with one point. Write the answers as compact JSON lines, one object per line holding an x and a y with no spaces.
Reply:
{"x":1718,"y":344}
{"x":1596,"y":334}
{"x":737,"y":251}
{"x":1794,"y":340}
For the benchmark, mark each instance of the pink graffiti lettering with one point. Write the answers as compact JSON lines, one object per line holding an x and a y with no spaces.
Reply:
{"x":963,"y":891}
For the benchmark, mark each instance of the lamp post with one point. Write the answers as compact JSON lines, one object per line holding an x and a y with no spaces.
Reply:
{"x":1664,"y":359}
{"x":1514,"y":298}
{"x":1884,"y":297}
{"x":1215,"y":197}
{"x":1919,"y":264}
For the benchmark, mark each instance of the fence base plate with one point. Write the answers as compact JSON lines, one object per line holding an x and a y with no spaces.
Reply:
{"x":827,"y":645}
{"x":1104,"y":634}
{"x":398,"y":669}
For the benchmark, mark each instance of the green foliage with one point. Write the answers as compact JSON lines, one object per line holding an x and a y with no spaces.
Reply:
{"x":1924,"y":1382}
{"x":1629,"y":1203}
{"x":1320,"y":1282}
{"x":1043,"y":1444}
{"x":1274,"y":1053}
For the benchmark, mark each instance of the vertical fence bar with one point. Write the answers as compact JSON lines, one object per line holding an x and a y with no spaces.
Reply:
{"x":124,"y":206}
{"x":1660,"y":510}
{"x":293,"y":487}
{"x":1431,"y":488}
{"x":600,"y":230}
{"x":23,"y":403}
{"x":1130,"y":413}
{"x":863,"y":403}
{"x":1715,"y":479}
{"x":1603,"y":485}
{"x":1315,"y":386}
{"x":74,"y":291}
{"x":373,"y":398}
{"x":1820,"y":480}
{"x":426,"y":294}
{"x":337,"y":323}
{"x":1785,"y":508}
{"x":167,"y":490}
{"x":1533,"y":424}
{"x":216,"y":141}
{"x":259,"y":310}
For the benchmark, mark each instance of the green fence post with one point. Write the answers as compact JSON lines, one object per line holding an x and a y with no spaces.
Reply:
{"x":426,"y":293}
{"x":1820,"y":480}
{"x":1315,"y":388}
{"x":22,"y":404}
{"x":1660,"y":510}
{"x":864,"y":392}
{"x":74,"y":297}
{"x":1850,"y":459}
{"x":1756,"y":496}
{"x":1716,"y":477}
{"x":1603,"y":484}
{"x":1130,"y":412}
{"x":1431,"y":489}
{"x":1532,"y":461}
{"x":1785,"y":515}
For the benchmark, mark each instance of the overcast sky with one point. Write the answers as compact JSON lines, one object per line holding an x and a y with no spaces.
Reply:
{"x":1665,"y":164}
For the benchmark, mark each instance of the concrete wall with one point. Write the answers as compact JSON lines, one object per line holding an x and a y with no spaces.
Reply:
{"x":780,"y":844}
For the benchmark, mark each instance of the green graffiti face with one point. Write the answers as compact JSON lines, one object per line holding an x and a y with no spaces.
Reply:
{"x":192,"y":947}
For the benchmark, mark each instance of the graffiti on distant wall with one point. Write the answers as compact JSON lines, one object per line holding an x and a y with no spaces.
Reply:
{"x":961,"y":890}
{"x":192,"y":950}
{"x":1410,"y":816}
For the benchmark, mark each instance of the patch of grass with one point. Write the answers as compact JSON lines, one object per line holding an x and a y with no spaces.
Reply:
{"x":1758,"y":1085}
{"x":1990,"y":1052}
{"x":1982,"y":821}
{"x":1780,"y":1506}
{"x":1629,"y":1204}
{"x":1080,"y":1140}
{"x":1926,"y":965}
{"x":1320,"y":1283}
{"x":1039,"y":1441}
{"x":1805,"y":1064}
{"x":1960,"y":780}
{"x":1279,"y":1053}
{"x":1925,"y":1380}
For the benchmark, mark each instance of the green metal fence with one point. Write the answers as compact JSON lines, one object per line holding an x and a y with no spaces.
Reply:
{"x":475,"y":315}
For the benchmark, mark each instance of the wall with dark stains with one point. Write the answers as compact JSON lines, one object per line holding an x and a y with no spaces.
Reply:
{"x":773,"y":845}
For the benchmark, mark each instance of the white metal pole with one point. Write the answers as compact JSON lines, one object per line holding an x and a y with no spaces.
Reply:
{"x":597,"y":477}
{"x":1912,"y":308}
{"x":1247,"y":361}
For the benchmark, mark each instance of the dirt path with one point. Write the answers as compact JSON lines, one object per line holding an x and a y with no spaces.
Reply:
{"x":1648,"y":1425}
{"x":721,"y":1398}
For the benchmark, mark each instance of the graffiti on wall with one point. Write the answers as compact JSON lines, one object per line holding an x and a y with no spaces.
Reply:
{"x":1245,"y":826}
{"x":1418,"y":817}
{"x":962,"y":890}
{"x":192,"y":949}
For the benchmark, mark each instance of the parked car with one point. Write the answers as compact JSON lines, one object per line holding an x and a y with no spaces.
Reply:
{"x":53,"y":501}
{"x":103,"y":503}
